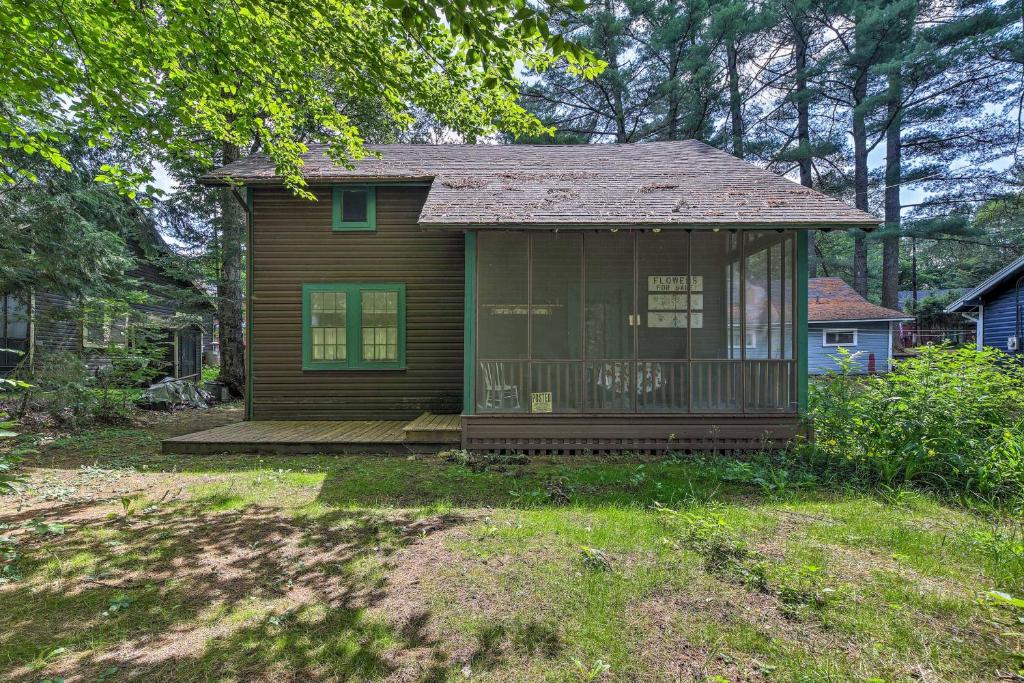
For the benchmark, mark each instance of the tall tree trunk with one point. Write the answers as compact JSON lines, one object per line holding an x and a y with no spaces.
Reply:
{"x":229,"y":286}
{"x":803,"y":127}
{"x":893,"y":174}
{"x":735,"y":108}
{"x":860,"y":181}
{"x":614,"y":79}
{"x":803,"y":106}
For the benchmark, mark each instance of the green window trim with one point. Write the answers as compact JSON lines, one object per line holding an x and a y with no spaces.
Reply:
{"x":337,"y":209}
{"x":354,"y":360}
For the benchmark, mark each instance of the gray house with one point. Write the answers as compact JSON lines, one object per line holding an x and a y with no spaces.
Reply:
{"x":840,"y":318}
{"x":996,"y":306}
{"x":34,"y":324}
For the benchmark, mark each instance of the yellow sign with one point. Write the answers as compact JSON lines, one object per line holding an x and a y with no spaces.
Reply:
{"x":540,"y":402}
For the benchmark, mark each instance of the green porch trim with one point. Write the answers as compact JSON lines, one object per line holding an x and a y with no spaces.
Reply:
{"x":469,"y":329}
{"x":353,"y":326}
{"x":337,"y":224}
{"x":248,"y":301}
{"x":802,"y":244}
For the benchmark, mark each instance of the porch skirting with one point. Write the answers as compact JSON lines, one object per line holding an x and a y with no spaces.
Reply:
{"x":579,"y":434}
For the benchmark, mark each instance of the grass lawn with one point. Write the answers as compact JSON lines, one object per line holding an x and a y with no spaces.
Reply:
{"x":126,"y":564}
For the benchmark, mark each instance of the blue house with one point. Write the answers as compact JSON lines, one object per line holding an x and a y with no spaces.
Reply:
{"x":996,"y":307}
{"x":840,"y":318}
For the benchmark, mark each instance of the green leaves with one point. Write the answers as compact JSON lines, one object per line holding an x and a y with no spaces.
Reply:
{"x":181,"y":77}
{"x":947,"y":419}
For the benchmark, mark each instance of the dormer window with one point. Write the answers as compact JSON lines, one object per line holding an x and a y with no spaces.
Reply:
{"x":354,"y":208}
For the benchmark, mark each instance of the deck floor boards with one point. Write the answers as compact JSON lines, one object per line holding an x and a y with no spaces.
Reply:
{"x":315,"y":436}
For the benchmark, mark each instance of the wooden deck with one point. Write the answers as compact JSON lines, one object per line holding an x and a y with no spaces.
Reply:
{"x":427,"y":432}
{"x":431,"y":428}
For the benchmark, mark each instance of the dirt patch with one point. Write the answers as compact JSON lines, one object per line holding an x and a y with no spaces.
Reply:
{"x":674,"y":623}
{"x":414,"y":575}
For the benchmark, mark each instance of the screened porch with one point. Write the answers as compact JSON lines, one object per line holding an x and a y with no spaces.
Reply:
{"x":619,"y":322}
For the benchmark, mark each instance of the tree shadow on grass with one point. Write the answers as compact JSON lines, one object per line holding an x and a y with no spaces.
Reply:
{"x":181,"y":592}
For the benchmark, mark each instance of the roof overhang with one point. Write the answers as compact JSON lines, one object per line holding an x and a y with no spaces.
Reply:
{"x":860,"y":320}
{"x":973,"y":298}
{"x":624,"y":225}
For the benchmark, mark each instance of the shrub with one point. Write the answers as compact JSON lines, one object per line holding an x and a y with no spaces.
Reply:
{"x":11,"y":454}
{"x":948,"y":419}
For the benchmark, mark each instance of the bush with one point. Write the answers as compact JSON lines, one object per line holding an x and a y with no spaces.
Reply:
{"x":10,"y":453}
{"x":948,"y":419}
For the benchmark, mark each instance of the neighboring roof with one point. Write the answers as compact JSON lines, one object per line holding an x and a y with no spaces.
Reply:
{"x":684,"y":183}
{"x":905,"y":295}
{"x":830,"y":299}
{"x":972,"y":298}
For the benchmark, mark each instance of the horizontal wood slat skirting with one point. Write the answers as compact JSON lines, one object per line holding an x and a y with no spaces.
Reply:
{"x":580,"y":434}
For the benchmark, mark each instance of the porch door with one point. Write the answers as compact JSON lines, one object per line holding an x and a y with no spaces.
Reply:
{"x":669,"y":301}
{"x":189,"y":353}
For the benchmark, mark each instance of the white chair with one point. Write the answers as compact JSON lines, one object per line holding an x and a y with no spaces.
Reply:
{"x":498,"y":392}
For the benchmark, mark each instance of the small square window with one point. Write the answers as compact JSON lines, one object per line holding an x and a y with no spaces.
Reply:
{"x":354,"y":208}
{"x":839,"y":338}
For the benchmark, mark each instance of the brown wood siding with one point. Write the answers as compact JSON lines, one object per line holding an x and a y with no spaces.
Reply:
{"x":293,"y":244}
{"x":54,"y":329}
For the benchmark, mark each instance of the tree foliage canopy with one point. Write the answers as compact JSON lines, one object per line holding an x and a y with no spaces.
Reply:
{"x":162,"y":75}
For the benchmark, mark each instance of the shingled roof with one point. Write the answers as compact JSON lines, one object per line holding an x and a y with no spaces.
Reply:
{"x":830,"y":299}
{"x":685,"y":183}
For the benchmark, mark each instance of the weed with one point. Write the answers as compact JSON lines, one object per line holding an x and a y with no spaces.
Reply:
{"x":9,"y":556}
{"x":130,"y":503}
{"x":595,"y":559}
{"x":802,"y":588}
{"x":946,"y":420}
{"x":559,"y":490}
{"x":118,"y":604}
{"x":46,"y":528}
{"x":638,"y":478}
{"x":591,"y":672}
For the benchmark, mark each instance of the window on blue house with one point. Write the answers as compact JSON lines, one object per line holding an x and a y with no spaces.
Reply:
{"x":839,"y":338}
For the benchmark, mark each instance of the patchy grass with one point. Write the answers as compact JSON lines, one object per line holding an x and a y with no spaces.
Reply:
{"x":122,"y":563}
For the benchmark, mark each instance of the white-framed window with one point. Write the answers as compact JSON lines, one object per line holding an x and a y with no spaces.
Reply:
{"x":753,"y":338}
{"x":101,"y":329}
{"x":839,"y":338}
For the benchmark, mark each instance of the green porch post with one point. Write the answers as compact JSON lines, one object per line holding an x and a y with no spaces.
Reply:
{"x":801,"y":318}
{"x":469,"y":328}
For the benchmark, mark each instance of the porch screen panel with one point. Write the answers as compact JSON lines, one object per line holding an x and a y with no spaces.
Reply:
{"x":769,"y":374}
{"x":556,"y":322}
{"x":621,"y":322}
{"x":609,"y":322}
{"x":503,"y":294}
{"x":666,"y":299}
{"x":716,"y":265}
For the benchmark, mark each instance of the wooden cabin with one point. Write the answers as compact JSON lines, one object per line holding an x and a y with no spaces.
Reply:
{"x":36,"y":324}
{"x":557,"y":298}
